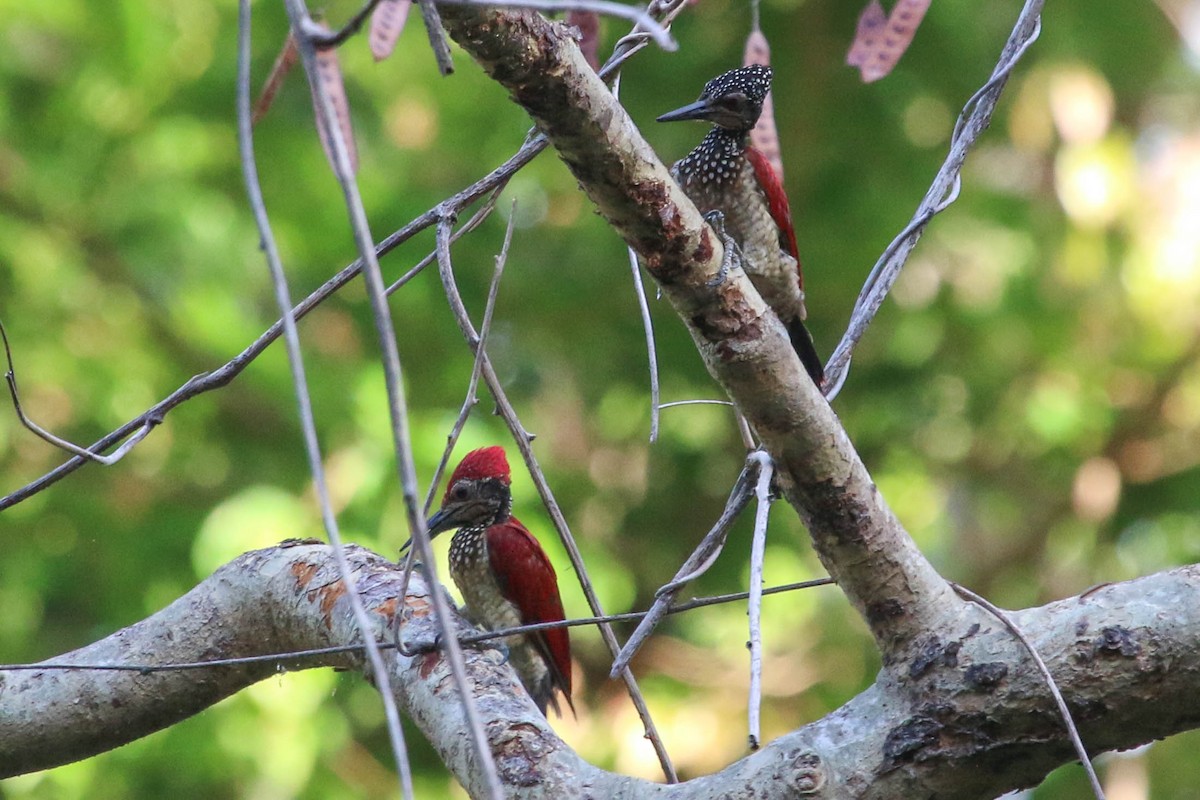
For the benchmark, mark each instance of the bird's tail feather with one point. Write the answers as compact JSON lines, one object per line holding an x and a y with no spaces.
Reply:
{"x":802,"y":343}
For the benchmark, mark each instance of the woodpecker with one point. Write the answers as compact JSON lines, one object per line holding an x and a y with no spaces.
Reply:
{"x":724,"y":173}
{"x":505,"y":578}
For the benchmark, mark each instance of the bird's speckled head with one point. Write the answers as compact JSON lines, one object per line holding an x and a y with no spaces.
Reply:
{"x":732,"y":100}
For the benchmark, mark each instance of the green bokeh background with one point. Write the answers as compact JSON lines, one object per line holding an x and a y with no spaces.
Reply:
{"x":1029,"y":401}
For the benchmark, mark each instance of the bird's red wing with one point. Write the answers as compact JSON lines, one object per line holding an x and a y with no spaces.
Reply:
{"x":527,"y":580}
{"x":777,"y":200}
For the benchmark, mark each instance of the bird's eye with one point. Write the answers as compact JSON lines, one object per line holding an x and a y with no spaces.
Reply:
{"x":460,"y":491}
{"x":734,"y":101}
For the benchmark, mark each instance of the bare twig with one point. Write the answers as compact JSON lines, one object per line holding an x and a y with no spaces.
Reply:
{"x":651,"y":356}
{"x":11,"y":377}
{"x":304,"y":401}
{"x":437,"y":36}
{"x":676,"y":403}
{"x":696,"y":564}
{"x":471,"y":399}
{"x":758,"y":549}
{"x":742,"y":426}
{"x":972,"y":121}
{"x":474,"y":222}
{"x":641,"y":36}
{"x":642,"y":19}
{"x":744,"y":430}
{"x":393,"y":377}
{"x":226,"y":373}
{"x":1063,"y":711}
{"x":336,"y":38}
{"x":698,"y":602}
{"x":480,"y":347}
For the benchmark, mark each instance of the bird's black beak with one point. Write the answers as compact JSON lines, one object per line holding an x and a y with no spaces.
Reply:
{"x":441,"y":521}
{"x":445,"y":519}
{"x":701,"y":109}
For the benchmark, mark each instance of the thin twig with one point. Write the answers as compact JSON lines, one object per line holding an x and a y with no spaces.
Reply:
{"x":394,"y":380}
{"x":304,"y":401}
{"x":226,"y":373}
{"x":651,"y":355}
{"x":475,"y":220}
{"x":643,"y":20}
{"x":480,"y":347}
{"x":637,"y":39}
{"x":437,"y":36}
{"x":11,"y":377}
{"x":746,"y":433}
{"x":675,"y":403}
{"x":972,"y":121}
{"x":696,"y":564}
{"x":468,"y":638}
{"x":523,"y":441}
{"x":1063,"y":711}
{"x":338,"y":37}
{"x":472,"y":385}
{"x":758,"y":549}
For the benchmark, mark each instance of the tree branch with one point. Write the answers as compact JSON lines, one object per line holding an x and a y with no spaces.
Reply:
{"x":970,"y":719}
{"x":743,"y":344}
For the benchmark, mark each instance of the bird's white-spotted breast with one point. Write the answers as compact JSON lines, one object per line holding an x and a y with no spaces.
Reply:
{"x":718,"y":177}
{"x":486,"y":606}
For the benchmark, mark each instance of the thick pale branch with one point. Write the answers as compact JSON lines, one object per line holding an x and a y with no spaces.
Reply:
{"x":969,"y":718}
{"x":742,"y":342}
{"x":254,"y":606}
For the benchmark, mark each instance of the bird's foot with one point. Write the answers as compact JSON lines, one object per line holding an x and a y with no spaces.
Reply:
{"x":733,"y":255}
{"x":497,"y":644}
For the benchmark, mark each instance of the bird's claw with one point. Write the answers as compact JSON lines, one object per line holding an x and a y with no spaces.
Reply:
{"x":490,"y":644}
{"x":716,"y":221}
{"x":732,"y":256}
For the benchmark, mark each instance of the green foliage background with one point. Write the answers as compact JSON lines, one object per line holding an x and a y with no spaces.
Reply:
{"x":1029,"y":402}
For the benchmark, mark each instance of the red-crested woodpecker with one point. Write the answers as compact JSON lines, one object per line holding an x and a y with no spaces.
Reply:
{"x":505,"y":578}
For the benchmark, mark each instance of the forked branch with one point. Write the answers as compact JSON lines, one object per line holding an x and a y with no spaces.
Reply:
{"x":744,"y":346}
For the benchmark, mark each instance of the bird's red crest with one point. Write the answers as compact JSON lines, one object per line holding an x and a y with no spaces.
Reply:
{"x":486,"y":462}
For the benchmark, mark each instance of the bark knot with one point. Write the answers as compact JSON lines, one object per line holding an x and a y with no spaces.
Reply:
{"x":985,"y":677}
{"x":807,"y":772}
{"x":906,"y":740}
{"x":519,"y":753}
{"x":932,"y":653}
{"x":1116,"y":641}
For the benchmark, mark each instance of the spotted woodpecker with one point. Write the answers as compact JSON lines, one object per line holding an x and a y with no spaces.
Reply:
{"x":724,"y":173}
